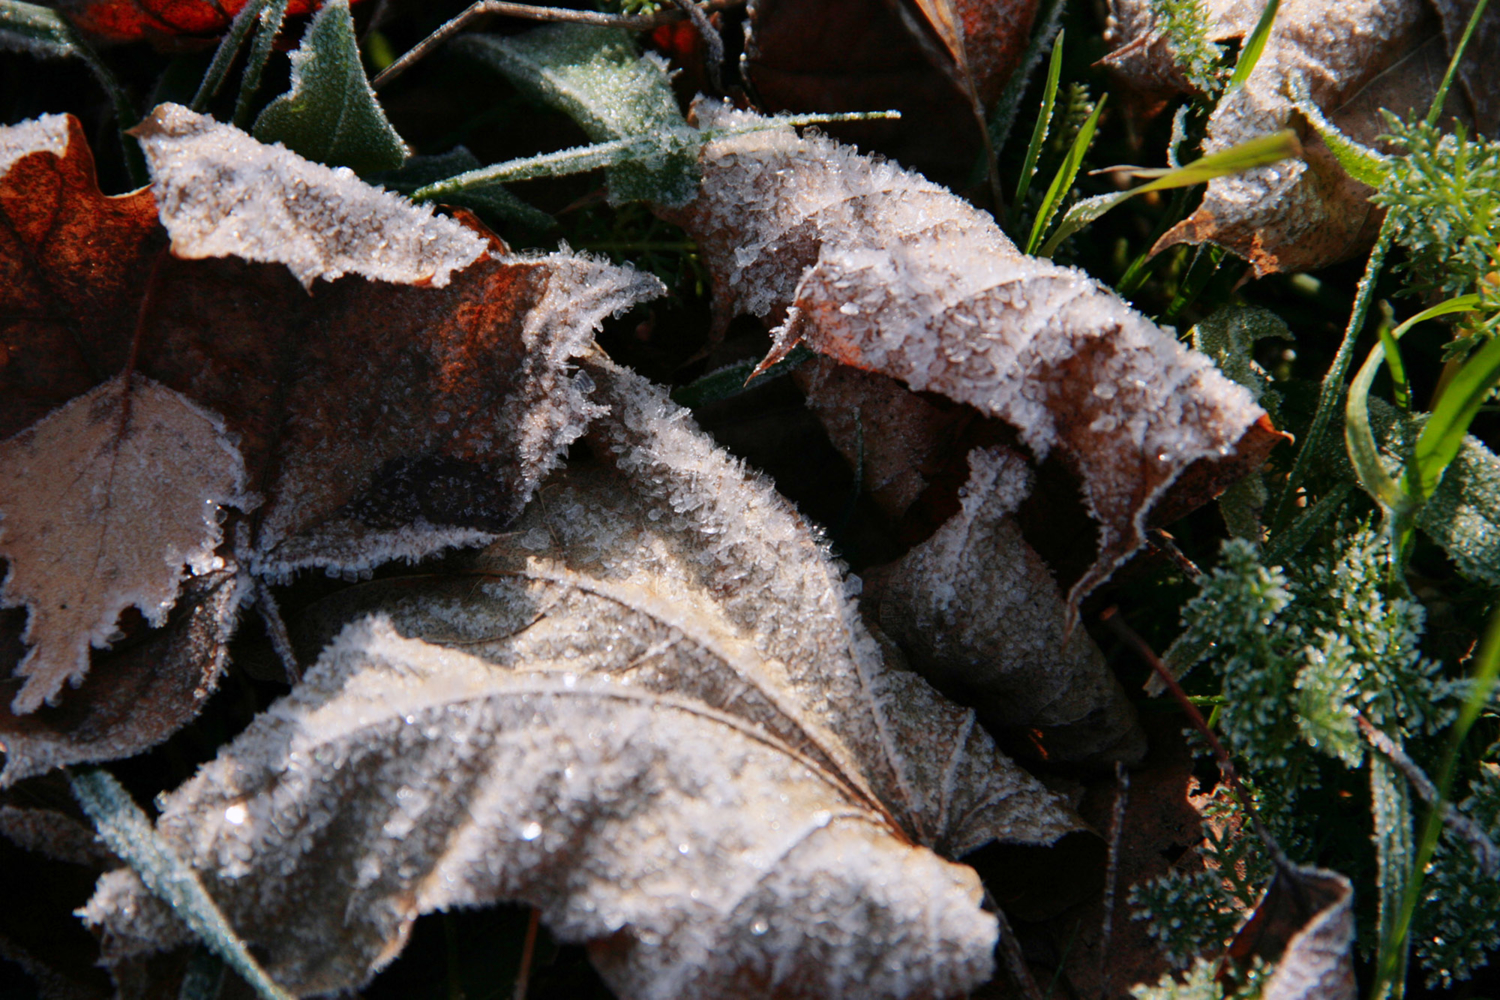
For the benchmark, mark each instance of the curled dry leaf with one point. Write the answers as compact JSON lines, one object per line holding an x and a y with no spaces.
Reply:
{"x":1145,"y":57}
{"x":380,"y":421}
{"x":1304,"y":924}
{"x":978,"y":610}
{"x":1353,"y":60}
{"x":657,"y":718}
{"x":882,"y":270}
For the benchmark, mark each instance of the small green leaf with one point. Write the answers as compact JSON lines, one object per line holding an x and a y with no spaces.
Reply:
{"x":597,"y":77}
{"x":1044,"y":119}
{"x":1364,"y":164}
{"x":1255,"y":44}
{"x":331,"y":115}
{"x":268,"y":26}
{"x":1436,"y":109}
{"x":35,"y":29}
{"x":1400,"y":389}
{"x":224,"y":55}
{"x":1229,"y":336}
{"x":731,"y":380}
{"x":1259,"y":152}
{"x":129,"y":833}
{"x":1062,"y":183}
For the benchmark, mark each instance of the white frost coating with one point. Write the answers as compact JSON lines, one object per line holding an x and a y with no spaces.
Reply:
{"x":108,"y":502}
{"x":222,"y":194}
{"x":47,"y":134}
{"x":401,"y":778}
{"x":945,"y":302}
{"x":976,"y":608}
{"x":1302,"y":213}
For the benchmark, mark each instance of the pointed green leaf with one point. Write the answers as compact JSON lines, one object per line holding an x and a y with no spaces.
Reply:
{"x":1463,"y":515}
{"x":1444,"y":433}
{"x":423,"y":171}
{"x":331,"y":115}
{"x":1062,"y":182}
{"x":596,"y":76}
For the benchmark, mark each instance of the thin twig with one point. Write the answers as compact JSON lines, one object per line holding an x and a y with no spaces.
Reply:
{"x":1226,"y":766}
{"x":1485,"y":851}
{"x":1167,"y":545}
{"x":532,"y":12}
{"x":711,"y":40}
{"x":281,"y":640}
{"x":1112,"y":874}
{"x":528,"y":948}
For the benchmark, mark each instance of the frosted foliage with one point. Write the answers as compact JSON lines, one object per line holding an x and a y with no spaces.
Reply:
{"x":1463,"y":515}
{"x":402,"y":778}
{"x":1147,"y":58}
{"x":540,"y":407}
{"x":977,"y":609}
{"x":46,"y":134}
{"x":598,"y":77}
{"x":881,"y":269}
{"x":106,"y":503}
{"x":651,"y":711}
{"x":221,"y":194}
{"x":1301,"y":213}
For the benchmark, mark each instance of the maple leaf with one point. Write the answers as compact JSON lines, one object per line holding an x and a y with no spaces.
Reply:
{"x":657,"y":718}
{"x":883,"y":270}
{"x":379,"y":420}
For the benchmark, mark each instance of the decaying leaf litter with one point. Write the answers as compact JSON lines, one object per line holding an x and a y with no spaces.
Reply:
{"x":821,"y":236}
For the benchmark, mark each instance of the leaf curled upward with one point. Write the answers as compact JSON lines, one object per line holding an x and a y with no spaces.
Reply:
{"x":106,"y":504}
{"x":880,"y":269}
{"x":652,"y":712}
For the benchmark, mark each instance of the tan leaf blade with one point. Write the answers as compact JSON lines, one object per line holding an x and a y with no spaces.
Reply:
{"x":883,"y":270}
{"x":625,"y":731}
{"x":106,"y":504}
{"x":223,"y":194}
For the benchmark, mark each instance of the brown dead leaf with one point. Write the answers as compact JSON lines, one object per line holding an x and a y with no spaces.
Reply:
{"x":108,"y":503}
{"x":862,"y":55}
{"x":1305,"y":925}
{"x":651,"y":711}
{"x":380,"y":421}
{"x":882,"y":270}
{"x":1353,"y":59}
{"x":979,"y":612}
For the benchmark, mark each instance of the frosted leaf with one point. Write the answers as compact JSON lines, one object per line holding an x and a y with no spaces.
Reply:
{"x":330,"y":114}
{"x":108,"y":503}
{"x":672,"y":736}
{"x":1352,"y":59}
{"x":803,"y":228}
{"x":1308,"y":931}
{"x":47,"y":134}
{"x":978,"y":611}
{"x":1148,"y":59}
{"x":599,"y":79}
{"x":220,"y":193}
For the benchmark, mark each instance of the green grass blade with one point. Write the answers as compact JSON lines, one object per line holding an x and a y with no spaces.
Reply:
{"x":1438,"y":99}
{"x":260,"y":53}
{"x":1259,"y":152}
{"x":1062,"y":183}
{"x":1400,"y":390}
{"x":1486,"y":670}
{"x":602,"y":155}
{"x":234,"y":39}
{"x":1444,"y":433}
{"x":129,"y":833}
{"x":1043,"y":122}
{"x":1360,"y":440}
{"x":1360,"y":162}
{"x":1254,"y":46}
